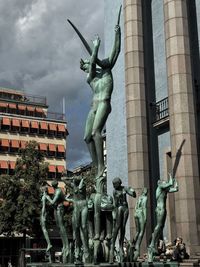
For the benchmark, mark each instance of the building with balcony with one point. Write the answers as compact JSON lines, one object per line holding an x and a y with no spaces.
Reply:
{"x":24,"y":118}
{"x":154,"y":126}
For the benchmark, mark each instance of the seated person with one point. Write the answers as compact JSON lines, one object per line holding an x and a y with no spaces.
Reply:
{"x":179,"y":252}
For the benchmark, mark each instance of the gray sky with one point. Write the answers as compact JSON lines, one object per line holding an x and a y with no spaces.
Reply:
{"x":40,"y":53}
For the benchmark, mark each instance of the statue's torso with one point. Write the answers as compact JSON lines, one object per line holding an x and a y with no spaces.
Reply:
{"x":102,"y":85}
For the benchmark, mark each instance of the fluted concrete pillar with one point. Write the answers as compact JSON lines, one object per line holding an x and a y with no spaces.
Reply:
{"x":138,"y":165}
{"x":182,"y":122}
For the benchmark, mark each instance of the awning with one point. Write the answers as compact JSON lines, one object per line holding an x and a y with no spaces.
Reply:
{"x":60,"y":169}
{"x":21,"y":107}
{"x":12,"y":165}
{"x":52,"y":127}
{"x":52,"y":168}
{"x":61,"y":128}
{"x":23,"y":144}
{"x":15,"y":143}
{"x":52,"y":147}
{"x":4,"y":164}
{"x":61,"y":148}
{"x":39,"y":110}
{"x":25,"y":123}
{"x":3,"y":105}
{"x":43,"y":146}
{"x":12,"y":105}
{"x":16,"y":122}
{"x":5,"y":142}
{"x":34,"y":124}
{"x":43,"y":126}
{"x":6,"y":121}
{"x":30,"y":108}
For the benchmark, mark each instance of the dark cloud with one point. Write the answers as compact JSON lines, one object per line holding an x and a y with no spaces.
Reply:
{"x":40,"y":54}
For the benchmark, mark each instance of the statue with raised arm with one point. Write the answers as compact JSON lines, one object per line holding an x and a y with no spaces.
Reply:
{"x":120,"y":215}
{"x":163,"y":188}
{"x":100,"y":79}
{"x":140,"y":221}
{"x":57,"y":203}
{"x":79,"y":220}
{"x":43,"y":219}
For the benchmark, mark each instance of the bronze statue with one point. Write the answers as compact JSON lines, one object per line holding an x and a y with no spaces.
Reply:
{"x":79,"y":219}
{"x":57,"y":203}
{"x":120,"y":215}
{"x":140,"y":221}
{"x":43,"y":219}
{"x":100,"y":80}
{"x":163,"y":188}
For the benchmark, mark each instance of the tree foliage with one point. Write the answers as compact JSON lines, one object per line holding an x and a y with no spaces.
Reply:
{"x":20,"y":193}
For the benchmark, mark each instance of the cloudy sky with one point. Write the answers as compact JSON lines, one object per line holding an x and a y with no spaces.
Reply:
{"x":40,"y":54}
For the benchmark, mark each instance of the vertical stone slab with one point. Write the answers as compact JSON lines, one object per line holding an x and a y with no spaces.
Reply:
{"x":182,"y":121}
{"x":138,"y":164}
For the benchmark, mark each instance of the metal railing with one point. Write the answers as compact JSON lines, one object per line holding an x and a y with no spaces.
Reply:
{"x":35,"y":99}
{"x":55,"y":116}
{"x":162,"y":109}
{"x":24,"y":98}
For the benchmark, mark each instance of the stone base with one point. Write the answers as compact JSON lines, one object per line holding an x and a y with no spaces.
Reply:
{"x":185,"y":263}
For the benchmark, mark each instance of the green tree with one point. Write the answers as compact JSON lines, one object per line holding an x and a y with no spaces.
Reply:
{"x":20,"y":193}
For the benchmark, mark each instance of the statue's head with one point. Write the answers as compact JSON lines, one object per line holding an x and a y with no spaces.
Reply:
{"x":117,"y":182}
{"x":54,"y":184}
{"x":145,"y":191}
{"x":84,"y":65}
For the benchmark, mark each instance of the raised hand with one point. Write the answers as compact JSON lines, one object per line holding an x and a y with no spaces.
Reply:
{"x":97,"y":42}
{"x":117,"y":28}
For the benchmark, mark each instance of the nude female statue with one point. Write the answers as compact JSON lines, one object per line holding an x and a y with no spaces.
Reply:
{"x":79,"y":219}
{"x":140,"y":221}
{"x":43,"y":219}
{"x":120,"y":214}
{"x":57,"y":202}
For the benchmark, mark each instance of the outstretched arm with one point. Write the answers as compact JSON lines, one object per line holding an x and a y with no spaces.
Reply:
{"x":92,"y":70}
{"x":116,"y":47}
{"x":130,"y":191}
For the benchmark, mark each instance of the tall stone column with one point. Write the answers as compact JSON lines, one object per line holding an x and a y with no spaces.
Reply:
{"x":138,"y":165}
{"x":182,"y":122}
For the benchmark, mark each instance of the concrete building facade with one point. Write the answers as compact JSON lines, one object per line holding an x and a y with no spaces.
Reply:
{"x":158,"y":73}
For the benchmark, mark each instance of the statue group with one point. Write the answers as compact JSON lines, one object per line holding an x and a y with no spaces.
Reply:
{"x":98,"y":220}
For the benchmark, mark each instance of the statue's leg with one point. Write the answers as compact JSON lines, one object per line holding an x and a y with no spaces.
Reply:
{"x":117,"y":225}
{"x":161,"y":216}
{"x":137,"y":225}
{"x":46,"y":236}
{"x":101,"y":116}
{"x":76,"y":232}
{"x":84,"y":218}
{"x":140,"y":236}
{"x":109,"y":225}
{"x":97,"y":212}
{"x":88,"y":137}
{"x":123,"y":230}
{"x":63,"y":234}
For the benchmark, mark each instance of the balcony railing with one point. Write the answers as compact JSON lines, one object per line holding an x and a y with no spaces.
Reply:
{"x":56,"y":116}
{"x":35,"y":99}
{"x":22,"y":97}
{"x":162,"y":110}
